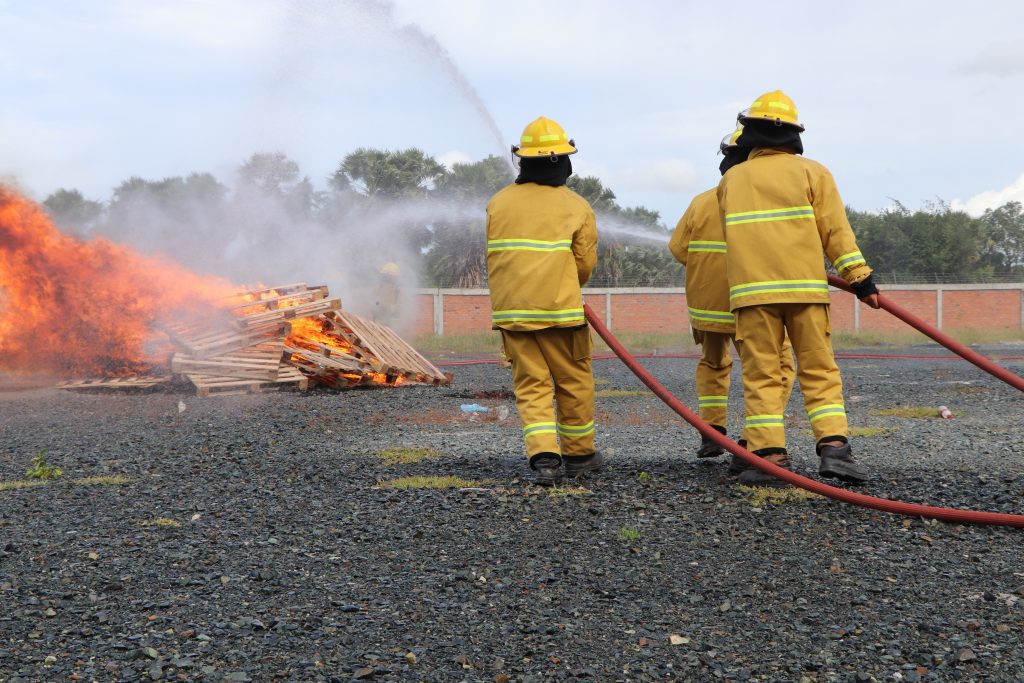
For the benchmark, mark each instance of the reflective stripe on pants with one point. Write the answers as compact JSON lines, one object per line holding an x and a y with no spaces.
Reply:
{"x":713,"y":375}
{"x":761,"y":331}
{"x":554,"y":386}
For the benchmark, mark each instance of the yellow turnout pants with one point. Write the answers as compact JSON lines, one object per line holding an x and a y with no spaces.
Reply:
{"x":713,"y":371}
{"x":760,"y":331}
{"x":550,"y":368}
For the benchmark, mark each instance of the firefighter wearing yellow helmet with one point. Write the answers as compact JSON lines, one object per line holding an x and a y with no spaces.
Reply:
{"x":387,"y":295}
{"x":541,"y":249}
{"x":780,"y":212}
{"x":698,"y":242}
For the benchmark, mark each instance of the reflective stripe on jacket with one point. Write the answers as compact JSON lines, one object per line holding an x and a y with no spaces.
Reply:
{"x":780,"y":212}
{"x":541,"y":248}
{"x":698,"y":242}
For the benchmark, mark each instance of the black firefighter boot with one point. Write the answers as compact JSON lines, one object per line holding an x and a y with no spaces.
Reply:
{"x":736,"y":463}
{"x":547,"y":468}
{"x":576,"y":465}
{"x":752,"y":476}
{"x":708,"y":448}
{"x":837,"y":462}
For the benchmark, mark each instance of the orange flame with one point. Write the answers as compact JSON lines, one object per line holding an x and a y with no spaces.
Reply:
{"x":74,"y":307}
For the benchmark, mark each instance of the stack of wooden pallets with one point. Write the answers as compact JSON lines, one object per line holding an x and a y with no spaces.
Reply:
{"x":289,"y":336}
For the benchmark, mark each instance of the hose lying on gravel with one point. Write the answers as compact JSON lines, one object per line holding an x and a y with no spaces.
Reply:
{"x":883,"y":504}
{"x":947,"y":341}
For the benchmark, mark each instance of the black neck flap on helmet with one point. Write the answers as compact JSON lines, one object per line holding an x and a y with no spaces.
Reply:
{"x":758,"y":133}
{"x":546,"y":170}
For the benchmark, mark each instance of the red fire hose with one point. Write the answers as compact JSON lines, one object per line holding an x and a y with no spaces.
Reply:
{"x":947,"y":341}
{"x":883,"y":504}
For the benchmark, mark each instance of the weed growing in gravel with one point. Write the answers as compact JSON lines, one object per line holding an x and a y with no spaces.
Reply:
{"x":115,"y":480}
{"x":41,"y":468}
{"x":629,"y":534}
{"x":644,"y":478}
{"x":19,"y":484}
{"x":909,"y":411}
{"x":562,"y":491}
{"x":162,"y":523}
{"x":429,"y":483}
{"x":761,"y":496}
{"x":601,"y":381}
{"x":619,"y":393}
{"x":408,"y":456}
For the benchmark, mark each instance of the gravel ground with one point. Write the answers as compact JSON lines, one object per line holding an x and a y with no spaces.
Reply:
{"x":280,"y":556}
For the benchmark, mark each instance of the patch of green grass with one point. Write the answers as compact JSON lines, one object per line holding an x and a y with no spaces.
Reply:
{"x":644,"y":477}
{"x":429,"y":483}
{"x":601,"y":381}
{"x":562,"y":491}
{"x":408,"y":456}
{"x":19,"y":484}
{"x":116,"y":480}
{"x":41,"y":468}
{"x":161,"y":523}
{"x":909,"y":411}
{"x":619,"y":393}
{"x":628,"y":534}
{"x":484,"y":343}
{"x":648,"y":342}
{"x":852,"y":340}
{"x":760,"y":496}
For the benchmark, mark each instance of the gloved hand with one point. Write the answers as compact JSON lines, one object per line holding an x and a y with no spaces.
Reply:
{"x":866,"y":291}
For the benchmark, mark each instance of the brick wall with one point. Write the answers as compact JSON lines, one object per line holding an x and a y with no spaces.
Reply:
{"x":663,"y":311}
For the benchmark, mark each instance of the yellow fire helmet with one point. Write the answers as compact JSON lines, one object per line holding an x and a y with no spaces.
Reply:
{"x":774,"y":106}
{"x":544,"y":137}
{"x":729,"y":141}
{"x":390,"y":268}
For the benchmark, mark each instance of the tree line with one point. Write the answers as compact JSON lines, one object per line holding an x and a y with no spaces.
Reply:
{"x":437,"y":213}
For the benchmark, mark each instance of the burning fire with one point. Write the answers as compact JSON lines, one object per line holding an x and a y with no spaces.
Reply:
{"x":73,"y":307}
{"x":310,"y":333}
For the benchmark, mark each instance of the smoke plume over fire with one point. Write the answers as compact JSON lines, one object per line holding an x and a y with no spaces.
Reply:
{"x":72,"y":307}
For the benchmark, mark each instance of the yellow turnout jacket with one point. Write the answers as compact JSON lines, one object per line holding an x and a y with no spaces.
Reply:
{"x":698,"y":242}
{"x":541,"y":248}
{"x":780,"y":212}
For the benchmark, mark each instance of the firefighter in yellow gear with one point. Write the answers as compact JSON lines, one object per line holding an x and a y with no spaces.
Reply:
{"x":387,"y":294}
{"x":780,"y":212}
{"x":541,"y":249}
{"x":698,"y":242}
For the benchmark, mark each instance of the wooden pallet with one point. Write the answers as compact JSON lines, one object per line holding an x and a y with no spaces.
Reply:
{"x":208,"y":342}
{"x":274,"y":319}
{"x":281,"y":301}
{"x":140,"y":383}
{"x":211,"y":385}
{"x":391,"y":352}
{"x":259,"y":362}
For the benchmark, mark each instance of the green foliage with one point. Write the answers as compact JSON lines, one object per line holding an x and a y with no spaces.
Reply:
{"x":41,"y":469}
{"x":629,"y":534}
{"x":477,"y":180}
{"x":388,"y":174}
{"x":938,"y":240}
{"x":71,"y":210}
{"x":1003,"y":247}
{"x":644,"y":478}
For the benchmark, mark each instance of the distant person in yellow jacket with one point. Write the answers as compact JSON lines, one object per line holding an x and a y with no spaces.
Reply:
{"x":698,"y":242}
{"x":781,"y":211}
{"x":541,"y":249}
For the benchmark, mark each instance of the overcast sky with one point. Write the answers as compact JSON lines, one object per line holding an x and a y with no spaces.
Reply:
{"x":902,"y":100}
